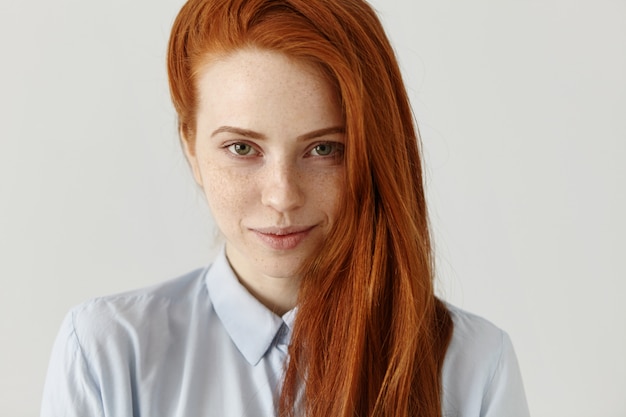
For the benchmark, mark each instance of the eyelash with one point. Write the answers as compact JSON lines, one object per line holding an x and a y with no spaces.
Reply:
{"x":336,"y":149}
{"x":231,"y":148}
{"x":335,"y":152}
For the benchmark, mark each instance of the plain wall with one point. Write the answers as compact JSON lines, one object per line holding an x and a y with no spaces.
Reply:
{"x":522,"y":109}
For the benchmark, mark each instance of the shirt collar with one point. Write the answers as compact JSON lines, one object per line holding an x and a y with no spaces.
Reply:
{"x":251,"y":326}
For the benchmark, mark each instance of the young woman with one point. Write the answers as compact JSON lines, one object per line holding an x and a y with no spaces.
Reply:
{"x":297,"y":127}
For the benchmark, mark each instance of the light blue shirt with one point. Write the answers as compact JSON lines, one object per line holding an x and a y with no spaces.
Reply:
{"x":202,"y":345}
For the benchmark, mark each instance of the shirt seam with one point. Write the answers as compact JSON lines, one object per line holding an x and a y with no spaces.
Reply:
{"x":83,"y":356}
{"x":497,"y":366}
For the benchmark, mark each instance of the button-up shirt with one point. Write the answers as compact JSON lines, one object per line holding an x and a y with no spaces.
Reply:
{"x":201,"y":345}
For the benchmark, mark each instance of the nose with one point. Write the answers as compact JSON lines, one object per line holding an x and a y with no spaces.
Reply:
{"x":281,"y":188}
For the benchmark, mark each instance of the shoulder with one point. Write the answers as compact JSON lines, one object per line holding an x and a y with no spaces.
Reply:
{"x":136,"y":315}
{"x":480,"y":371}
{"x":167,"y":292}
{"x":475,"y":334}
{"x":106,"y":346}
{"x":476,"y":343}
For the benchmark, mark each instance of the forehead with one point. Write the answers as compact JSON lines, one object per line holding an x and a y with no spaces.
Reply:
{"x":261,"y":65}
{"x":260,"y":84}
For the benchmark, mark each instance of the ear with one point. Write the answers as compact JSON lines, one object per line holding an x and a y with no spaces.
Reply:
{"x":190,"y":154}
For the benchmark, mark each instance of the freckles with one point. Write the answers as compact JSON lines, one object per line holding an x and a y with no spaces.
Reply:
{"x":326,"y":189}
{"x":226,"y":191}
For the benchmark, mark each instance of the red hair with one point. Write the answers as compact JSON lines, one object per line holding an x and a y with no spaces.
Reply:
{"x":370,"y":336}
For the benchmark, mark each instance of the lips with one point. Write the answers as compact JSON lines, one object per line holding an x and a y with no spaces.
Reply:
{"x":282,"y":238}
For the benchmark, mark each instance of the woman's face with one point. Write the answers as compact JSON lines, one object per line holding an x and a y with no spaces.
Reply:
{"x":268,"y":154}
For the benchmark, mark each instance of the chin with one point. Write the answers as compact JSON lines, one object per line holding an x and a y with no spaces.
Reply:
{"x":281,"y":268}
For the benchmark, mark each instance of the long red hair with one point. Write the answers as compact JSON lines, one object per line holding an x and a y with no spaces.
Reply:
{"x":370,"y":336}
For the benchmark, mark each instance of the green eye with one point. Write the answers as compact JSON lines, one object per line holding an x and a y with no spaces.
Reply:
{"x":326,"y":149}
{"x":323,"y":149}
{"x":242,"y":149}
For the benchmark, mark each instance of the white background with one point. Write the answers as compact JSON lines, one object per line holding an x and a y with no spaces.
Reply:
{"x":522,"y":109}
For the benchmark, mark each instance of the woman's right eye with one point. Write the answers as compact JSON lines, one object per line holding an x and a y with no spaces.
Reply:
{"x":241,"y":149}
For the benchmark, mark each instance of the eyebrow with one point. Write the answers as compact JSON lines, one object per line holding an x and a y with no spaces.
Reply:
{"x":259,"y":136}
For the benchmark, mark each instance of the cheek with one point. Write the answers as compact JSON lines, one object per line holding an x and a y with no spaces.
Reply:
{"x":334,"y":205}
{"x":327,"y":192}
{"x":227,"y":195}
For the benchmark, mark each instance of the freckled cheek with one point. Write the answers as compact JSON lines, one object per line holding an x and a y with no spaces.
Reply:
{"x":325,"y":192}
{"x":229,"y":196}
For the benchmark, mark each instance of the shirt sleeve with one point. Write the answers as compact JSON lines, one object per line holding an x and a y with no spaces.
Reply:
{"x":70,"y":388}
{"x":505,"y":395}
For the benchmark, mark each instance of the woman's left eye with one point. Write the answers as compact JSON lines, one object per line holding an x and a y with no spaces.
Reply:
{"x":326,"y":149}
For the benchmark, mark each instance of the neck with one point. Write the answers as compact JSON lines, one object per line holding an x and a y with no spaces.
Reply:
{"x":274,"y":295}
{"x":278,"y":294}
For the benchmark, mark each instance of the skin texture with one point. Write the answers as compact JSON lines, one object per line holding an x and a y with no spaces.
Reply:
{"x":268,"y":154}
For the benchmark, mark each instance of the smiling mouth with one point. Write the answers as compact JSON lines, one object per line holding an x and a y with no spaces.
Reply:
{"x":282,"y":238}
